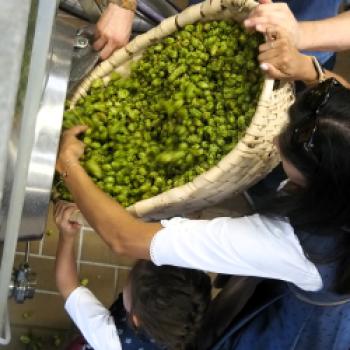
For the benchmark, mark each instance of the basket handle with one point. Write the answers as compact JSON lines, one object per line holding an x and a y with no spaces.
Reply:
{"x":267,"y":89}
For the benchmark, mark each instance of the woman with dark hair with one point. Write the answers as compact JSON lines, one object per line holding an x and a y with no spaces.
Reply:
{"x":301,"y":236}
{"x":315,"y":149}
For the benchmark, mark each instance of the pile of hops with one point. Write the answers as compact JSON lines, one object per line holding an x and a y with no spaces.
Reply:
{"x":185,"y":105}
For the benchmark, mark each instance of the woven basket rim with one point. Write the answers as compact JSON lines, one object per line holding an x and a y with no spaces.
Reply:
{"x":106,"y":67}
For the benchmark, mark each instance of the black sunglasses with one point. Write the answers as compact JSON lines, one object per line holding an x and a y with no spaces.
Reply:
{"x":316,"y":98}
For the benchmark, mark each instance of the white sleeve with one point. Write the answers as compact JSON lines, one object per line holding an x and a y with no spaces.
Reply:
{"x":93,"y":320}
{"x":251,"y":246}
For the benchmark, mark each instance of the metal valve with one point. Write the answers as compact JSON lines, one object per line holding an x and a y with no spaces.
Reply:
{"x":23,"y":281}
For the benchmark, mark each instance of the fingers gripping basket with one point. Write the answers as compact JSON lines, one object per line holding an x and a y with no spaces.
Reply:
{"x":252,"y":158}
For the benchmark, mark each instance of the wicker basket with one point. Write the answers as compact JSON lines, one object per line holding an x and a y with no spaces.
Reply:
{"x":252,"y":158}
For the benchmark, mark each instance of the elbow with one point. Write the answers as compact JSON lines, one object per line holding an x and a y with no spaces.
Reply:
{"x":66,"y":286}
{"x":130,"y":238}
{"x":118,"y":247}
{"x":113,"y":239}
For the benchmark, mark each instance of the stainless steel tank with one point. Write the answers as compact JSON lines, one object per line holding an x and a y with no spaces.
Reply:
{"x":32,"y":104}
{"x":35,"y":61}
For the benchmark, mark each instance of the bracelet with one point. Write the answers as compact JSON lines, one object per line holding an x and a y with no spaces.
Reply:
{"x":69,"y":164}
{"x":319,"y":70}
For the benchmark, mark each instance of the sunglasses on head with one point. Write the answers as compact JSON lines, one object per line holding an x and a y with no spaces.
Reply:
{"x":316,"y":99}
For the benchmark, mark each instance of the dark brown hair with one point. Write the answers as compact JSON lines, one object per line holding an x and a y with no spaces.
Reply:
{"x":323,"y":205}
{"x":169,"y":303}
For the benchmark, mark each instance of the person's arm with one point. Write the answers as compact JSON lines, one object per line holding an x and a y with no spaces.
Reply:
{"x":124,"y":233}
{"x":90,"y":316}
{"x":243,"y":246}
{"x":66,"y":269}
{"x":280,"y":59}
{"x":328,"y":35}
{"x":113,"y":29}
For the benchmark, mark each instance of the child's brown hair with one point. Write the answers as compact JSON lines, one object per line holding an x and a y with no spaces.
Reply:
{"x":169,"y":303}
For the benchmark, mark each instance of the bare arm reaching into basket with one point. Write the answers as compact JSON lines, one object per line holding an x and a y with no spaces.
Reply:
{"x":119,"y":229}
{"x":223,"y":245}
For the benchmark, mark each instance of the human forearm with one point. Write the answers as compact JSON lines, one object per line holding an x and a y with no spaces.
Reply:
{"x":66,"y":269}
{"x":329,"y":34}
{"x":124,"y":233}
{"x":308,"y":73}
{"x":280,"y":59}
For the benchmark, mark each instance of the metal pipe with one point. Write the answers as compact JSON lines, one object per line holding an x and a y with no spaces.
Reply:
{"x":27,"y":252}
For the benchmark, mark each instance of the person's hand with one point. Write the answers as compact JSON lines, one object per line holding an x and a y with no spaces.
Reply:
{"x":113,"y":30}
{"x":279,"y":14}
{"x":280,"y":59}
{"x":71,"y":149}
{"x":62,"y":213}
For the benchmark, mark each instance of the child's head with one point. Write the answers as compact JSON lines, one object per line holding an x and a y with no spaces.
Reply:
{"x":167,"y":303}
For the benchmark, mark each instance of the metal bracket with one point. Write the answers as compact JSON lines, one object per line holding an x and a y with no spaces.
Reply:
{"x":80,"y":42}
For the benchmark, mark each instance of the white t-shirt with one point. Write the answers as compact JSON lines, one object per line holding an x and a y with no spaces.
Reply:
{"x":94,"y":320}
{"x":251,"y":246}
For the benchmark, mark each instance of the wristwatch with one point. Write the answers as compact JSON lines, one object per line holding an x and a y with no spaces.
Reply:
{"x":319,"y":70}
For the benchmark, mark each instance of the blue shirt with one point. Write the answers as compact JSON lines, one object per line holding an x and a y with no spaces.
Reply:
{"x":310,"y":10}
